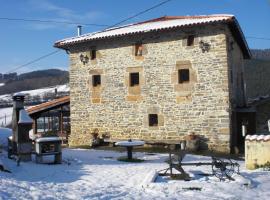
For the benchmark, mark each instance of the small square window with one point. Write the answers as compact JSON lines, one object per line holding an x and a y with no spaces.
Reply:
{"x":153,"y":120}
{"x":183,"y":75}
{"x":93,"y":54}
{"x":138,"y":49}
{"x":134,"y":79}
{"x":190,"y":40}
{"x":96,"y":80}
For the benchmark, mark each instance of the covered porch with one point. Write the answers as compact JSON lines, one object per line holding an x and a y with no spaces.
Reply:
{"x":52,"y":118}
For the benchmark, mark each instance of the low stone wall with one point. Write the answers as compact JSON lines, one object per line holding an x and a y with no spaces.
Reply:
{"x":257,"y":148}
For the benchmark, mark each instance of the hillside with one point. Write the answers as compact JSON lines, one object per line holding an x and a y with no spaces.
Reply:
{"x":34,"y":80}
{"x":37,"y":96}
{"x":261,"y":54}
{"x":257,"y":73}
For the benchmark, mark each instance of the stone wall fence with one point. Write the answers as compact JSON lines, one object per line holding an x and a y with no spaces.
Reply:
{"x":257,"y":148}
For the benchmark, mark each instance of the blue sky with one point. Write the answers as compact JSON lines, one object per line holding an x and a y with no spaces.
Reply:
{"x":21,"y":42}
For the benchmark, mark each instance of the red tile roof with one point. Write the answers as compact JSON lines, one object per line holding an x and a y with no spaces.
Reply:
{"x":166,"y":22}
{"x":49,"y":105}
{"x":166,"y":18}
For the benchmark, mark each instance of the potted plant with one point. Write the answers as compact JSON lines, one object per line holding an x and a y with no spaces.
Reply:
{"x":192,"y":142}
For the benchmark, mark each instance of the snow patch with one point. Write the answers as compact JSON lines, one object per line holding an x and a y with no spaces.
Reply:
{"x":41,"y":92}
{"x":129,"y":143}
{"x":150,"y":178}
{"x":4,"y":134}
{"x":48,"y":139}
{"x":24,"y":117}
{"x":5,"y":116}
{"x":258,"y":137}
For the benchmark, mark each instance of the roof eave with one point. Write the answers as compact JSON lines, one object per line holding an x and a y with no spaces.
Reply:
{"x":232,"y":22}
{"x":240,"y":38}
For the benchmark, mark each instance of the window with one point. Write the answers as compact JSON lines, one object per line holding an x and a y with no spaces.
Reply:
{"x":190,"y":40}
{"x":153,"y":120}
{"x":93,"y":54}
{"x":183,"y":75}
{"x":134,"y":79}
{"x":138,"y":49}
{"x":96,"y":80}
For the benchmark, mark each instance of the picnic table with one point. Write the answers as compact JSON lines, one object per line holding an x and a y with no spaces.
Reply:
{"x":129,"y":144}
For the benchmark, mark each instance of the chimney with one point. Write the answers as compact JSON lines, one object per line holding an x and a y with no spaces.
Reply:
{"x":79,"y":29}
{"x":18,"y":104}
{"x":18,"y":100}
{"x":21,"y":124}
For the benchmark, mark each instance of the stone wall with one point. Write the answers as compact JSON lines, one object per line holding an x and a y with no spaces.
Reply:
{"x":200,"y":106}
{"x":236,"y":73}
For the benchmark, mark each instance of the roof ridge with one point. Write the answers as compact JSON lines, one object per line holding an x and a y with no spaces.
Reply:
{"x":165,"y":17}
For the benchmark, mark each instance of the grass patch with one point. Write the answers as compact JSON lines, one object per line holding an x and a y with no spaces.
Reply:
{"x":193,"y":188}
{"x":266,"y":166}
{"x":133,"y":160}
{"x":80,"y":147}
{"x":151,"y":150}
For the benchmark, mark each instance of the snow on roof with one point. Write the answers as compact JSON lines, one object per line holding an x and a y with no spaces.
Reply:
{"x":19,"y":94}
{"x":147,"y":26}
{"x":258,"y":137}
{"x":130,"y":143}
{"x":48,"y":139}
{"x":24,"y":117}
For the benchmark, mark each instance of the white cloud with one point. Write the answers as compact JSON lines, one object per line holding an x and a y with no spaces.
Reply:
{"x":61,"y":14}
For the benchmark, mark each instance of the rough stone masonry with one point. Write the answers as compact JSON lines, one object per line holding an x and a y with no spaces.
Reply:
{"x":201,"y":105}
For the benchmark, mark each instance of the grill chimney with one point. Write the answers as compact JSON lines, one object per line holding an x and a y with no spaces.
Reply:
{"x":18,"y":100}
{"x":21,"y":124}
{"x":79,"y":29}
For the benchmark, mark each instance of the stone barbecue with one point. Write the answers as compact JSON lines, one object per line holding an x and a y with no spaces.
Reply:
{"x":48,"y":146}
{"x":20,"y":144}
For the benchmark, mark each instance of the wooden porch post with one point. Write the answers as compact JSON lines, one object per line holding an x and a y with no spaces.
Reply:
{"x":61,"y":122}
{"x":35,"y":126}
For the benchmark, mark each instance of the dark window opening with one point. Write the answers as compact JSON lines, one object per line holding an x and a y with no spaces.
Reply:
{"x":153,"y":120}
{"x":134,"y":79}
{"x":138,"y":49}
{"x":190,"y":40}
{"x":96,"y":80}
{"x":183,"y":75}
{"x":93,"y":54}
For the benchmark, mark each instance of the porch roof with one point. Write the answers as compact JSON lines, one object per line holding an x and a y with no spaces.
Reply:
{"x":56,"y":103}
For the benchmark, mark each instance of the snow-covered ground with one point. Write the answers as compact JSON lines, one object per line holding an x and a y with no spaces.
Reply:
{"x":96,"y":174}
{"x":41,"y":92}
{"x":60,"y":88}
{"x":5,"y":116}
{"x":4,"y":134}
{"x":2,"y":84}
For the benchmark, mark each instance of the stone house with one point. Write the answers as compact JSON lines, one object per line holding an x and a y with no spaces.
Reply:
{"x":159,"y":81}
